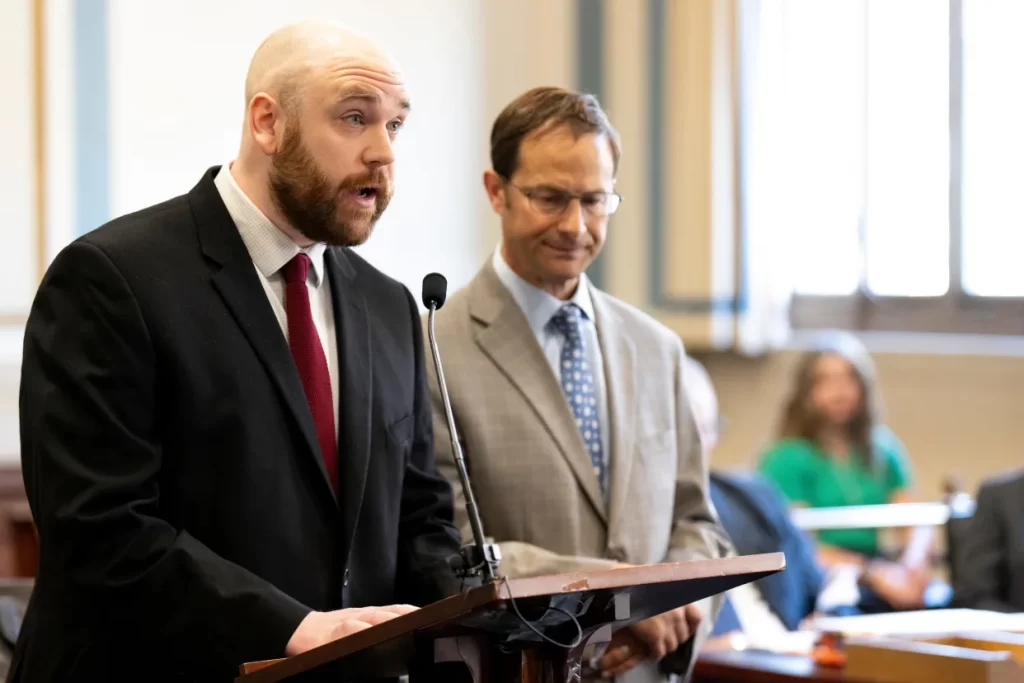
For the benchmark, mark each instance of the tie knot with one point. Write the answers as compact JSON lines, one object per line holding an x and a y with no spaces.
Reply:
{"x":297,"y":269}
{"x":567,"y":319}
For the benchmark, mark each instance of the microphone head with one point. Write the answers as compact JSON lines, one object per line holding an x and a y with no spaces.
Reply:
{"x":435,"y":289}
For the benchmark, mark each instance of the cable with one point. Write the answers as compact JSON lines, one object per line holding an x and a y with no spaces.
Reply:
{"x":579,"y":629}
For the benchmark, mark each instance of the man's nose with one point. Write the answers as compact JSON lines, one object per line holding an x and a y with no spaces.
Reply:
{"x":380,"y":149}
{"x":573,"y":219}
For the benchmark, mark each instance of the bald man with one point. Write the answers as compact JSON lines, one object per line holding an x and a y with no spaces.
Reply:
{"x":226,"y":433}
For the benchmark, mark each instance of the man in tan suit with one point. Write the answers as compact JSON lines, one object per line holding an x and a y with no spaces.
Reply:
{"x":577,"y":432}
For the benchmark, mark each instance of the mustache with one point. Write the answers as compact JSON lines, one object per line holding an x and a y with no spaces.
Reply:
{"x":376,"y":179}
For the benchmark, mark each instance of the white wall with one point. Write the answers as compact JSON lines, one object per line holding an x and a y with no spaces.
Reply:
{"x":17,"y":180}
{"x":18,"y":224}
{"x":177,"y":103}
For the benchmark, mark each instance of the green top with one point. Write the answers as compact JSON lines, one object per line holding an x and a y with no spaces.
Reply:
{"x":807,"y":475}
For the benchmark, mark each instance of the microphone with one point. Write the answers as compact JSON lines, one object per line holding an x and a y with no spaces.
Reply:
{"x":481,"y":555}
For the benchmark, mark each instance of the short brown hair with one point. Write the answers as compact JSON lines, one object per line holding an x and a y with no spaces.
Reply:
{"x":546,"y":108}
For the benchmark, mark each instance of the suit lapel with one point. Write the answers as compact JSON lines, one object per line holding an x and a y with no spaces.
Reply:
{"x":239,"y":286}
{"x":619,"y":356}
{"x":355,"y":386}
{"x":509,"y":342}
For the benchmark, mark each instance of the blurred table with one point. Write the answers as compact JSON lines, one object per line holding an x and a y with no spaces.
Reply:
{"x":750,"y":666}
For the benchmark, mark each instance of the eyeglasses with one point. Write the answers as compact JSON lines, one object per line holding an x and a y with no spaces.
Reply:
{"x":552,"y":201}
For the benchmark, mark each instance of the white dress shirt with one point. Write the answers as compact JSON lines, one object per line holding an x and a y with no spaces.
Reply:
{"x":271,"y":250}
{"x":538,"y":306}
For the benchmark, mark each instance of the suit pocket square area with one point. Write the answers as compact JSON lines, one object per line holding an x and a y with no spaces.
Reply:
{"x":400,"y":431}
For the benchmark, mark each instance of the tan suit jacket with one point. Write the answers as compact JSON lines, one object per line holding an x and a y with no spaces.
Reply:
{"x":538,"y":495}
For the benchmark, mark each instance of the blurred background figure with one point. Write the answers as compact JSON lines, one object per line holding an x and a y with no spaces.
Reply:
{"x":834,"y":450}
{"x":991,"y":574}
{"x":757,"y":520}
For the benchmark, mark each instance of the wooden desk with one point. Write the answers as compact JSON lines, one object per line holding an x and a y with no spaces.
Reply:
{"x":748,"y":666}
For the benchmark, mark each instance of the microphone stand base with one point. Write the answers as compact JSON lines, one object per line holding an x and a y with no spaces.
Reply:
{"x":479,"y":564}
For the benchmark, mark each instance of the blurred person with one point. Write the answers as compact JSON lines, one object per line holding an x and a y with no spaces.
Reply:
{"x":575,"y":422}
{"x":225,"y":426}
{"x":990,"y":572}
{"x":834,"y":451}
{"x":756,"y":518}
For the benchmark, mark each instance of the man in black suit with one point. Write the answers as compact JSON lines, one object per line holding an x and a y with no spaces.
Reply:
{"x":988,"y":556}
{"x":225,"y":426}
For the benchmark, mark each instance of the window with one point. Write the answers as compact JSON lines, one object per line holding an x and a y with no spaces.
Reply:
{"x":905,"y":130}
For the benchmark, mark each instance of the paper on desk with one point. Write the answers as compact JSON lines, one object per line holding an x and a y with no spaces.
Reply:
{"x":940,"y":622}
{"x":840,"y":589}
{"x":784,"y":643}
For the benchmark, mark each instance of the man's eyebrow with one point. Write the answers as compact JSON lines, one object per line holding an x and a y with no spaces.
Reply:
{"x":359,"y":92}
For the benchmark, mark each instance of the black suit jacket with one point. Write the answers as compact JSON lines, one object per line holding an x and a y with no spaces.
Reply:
{"x":184,"y":514}
{"x":756,"y":517}
{"x":990,"y":551}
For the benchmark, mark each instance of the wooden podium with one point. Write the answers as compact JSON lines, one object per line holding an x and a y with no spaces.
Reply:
{"x":490,"y":633}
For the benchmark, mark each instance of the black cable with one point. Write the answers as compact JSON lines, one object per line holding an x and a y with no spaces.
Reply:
{"x":579,"y":629}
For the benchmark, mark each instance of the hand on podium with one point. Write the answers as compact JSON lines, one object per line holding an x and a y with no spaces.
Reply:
{"x":319,"y":628}
{"x":624,"y":651}
{"x":655,"y":637}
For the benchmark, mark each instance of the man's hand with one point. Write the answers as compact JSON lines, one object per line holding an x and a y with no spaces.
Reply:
{"x":664,"y":633}
{"x":624,"y":651}
{"x":323,"y":627}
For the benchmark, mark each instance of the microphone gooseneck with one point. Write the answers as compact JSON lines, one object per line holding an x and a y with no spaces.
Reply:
{"x":483,"y":555}
{"x":480,"y":556}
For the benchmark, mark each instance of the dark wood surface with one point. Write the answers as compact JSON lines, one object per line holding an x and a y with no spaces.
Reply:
{"x":749,"y":666}
{"x":621,"y":595}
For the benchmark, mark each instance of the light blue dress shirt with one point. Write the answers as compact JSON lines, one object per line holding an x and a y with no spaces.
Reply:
{"x":538,"y":306}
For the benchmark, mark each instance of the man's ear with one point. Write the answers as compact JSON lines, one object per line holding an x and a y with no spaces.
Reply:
{"x":495,"y":186}
{"x":266,"y":123}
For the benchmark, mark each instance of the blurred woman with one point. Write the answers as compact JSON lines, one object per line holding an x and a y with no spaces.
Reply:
{"x":833,"y":451}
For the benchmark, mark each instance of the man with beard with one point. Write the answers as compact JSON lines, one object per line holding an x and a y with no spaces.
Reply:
{"x":225,"y":426}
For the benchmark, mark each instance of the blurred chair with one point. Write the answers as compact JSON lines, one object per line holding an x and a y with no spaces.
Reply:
{"x":755,"y":516}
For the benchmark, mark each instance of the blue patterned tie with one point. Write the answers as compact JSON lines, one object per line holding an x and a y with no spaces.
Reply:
{"x":578,"y":385}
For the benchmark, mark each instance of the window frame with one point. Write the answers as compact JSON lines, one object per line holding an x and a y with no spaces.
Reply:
{"x":956,"y":311}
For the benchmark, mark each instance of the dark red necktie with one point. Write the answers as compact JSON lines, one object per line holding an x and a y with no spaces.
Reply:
{"x":310,"y":360}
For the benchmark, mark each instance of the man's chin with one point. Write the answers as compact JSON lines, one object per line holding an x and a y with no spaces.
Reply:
{"x":566,"y":268}
{"x":351,"y":235}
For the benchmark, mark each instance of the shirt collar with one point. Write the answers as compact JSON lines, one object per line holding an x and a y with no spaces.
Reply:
{"x":269,"y":248}
{"x":537,"y":305}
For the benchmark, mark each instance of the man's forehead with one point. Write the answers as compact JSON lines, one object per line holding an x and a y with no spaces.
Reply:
{"x":365,"y":79}
{"x":563,"y":165}
{"x":367,"y":90}
{"x":561,"y":145}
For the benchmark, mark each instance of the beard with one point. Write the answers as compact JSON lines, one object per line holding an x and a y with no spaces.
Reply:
{"x":313,"y":205}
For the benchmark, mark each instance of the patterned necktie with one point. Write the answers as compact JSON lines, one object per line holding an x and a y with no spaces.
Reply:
{"x":578,"y":385}
{"x":310,"y":360}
